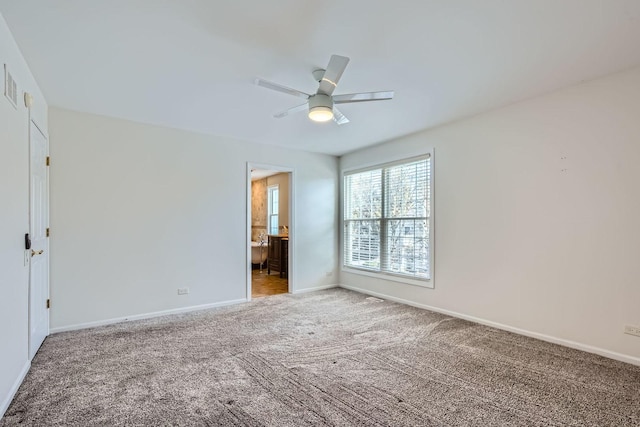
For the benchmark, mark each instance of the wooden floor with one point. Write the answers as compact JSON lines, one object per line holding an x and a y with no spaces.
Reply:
{"x":263,"y":284}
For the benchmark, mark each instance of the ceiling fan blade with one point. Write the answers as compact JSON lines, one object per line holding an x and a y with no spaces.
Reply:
{"x":291,"y":110}
{"x":363,"y":97}
{"x":332,"y":75}
{"x":338,"y":117}
{"x":280,"y":88}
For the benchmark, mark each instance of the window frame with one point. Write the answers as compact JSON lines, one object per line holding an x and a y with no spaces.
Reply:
{"x":270,"y":213}
{"x":385,"y":275}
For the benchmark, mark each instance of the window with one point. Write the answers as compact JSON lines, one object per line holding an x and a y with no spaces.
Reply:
{"x":388,"y":221}
{"x":272,"y":201}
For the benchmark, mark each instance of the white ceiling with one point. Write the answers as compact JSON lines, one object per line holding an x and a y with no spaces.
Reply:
{"x":190,"y":64}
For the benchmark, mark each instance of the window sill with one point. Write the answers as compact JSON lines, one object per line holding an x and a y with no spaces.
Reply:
{"x":391,"y":277}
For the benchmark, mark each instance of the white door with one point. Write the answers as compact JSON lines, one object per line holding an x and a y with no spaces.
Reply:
{"x":39,"y":252}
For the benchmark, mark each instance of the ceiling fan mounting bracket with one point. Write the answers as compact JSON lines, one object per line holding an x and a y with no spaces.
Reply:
{"x":318,"y":74}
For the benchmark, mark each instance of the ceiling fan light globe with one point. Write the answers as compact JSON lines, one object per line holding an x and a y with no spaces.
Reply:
{"x":320,"y":114}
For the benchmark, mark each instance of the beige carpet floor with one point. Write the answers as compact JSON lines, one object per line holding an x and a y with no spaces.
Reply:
{"x":329,"y":358}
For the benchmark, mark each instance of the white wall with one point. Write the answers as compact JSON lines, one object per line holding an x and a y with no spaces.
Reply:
{"x":138,"y":211}
{"x":537,"y":216}
{"x":14,"y":216}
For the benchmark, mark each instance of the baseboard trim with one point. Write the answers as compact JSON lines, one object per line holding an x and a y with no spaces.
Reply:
{"x":14,"y":388}
{"x":317,"y":288}
{"x":560,"y":341}
{"x":112,"y":321}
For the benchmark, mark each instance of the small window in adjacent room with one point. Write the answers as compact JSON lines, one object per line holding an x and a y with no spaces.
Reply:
{"x":388,"y":221}
{"x":273,"y":207}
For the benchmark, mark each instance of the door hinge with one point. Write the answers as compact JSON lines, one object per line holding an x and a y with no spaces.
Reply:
{"x":48,"y":160}
{"x":48,"y":303}
{"x":47,"y":231}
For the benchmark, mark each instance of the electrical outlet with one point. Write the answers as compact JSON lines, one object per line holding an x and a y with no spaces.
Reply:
{"x":183,"y":291}
{"x":632,"y":330}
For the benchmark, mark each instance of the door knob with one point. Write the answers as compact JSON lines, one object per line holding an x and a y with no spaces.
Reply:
{"x":36,"y":252}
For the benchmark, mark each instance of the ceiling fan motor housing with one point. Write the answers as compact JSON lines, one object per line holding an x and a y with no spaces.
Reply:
{"x":320,"y":107}
{"x":320,"y":100}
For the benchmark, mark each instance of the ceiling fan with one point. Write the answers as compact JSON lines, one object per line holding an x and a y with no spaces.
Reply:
{"x":321,"y":105}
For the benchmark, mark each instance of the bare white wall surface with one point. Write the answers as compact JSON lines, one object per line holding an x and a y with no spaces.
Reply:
{"x":14,"y":215}
{"x":537,"y":208}
{"x":138,"y":211}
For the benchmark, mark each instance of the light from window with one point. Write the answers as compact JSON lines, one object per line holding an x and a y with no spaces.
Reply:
{"x":388,"y":221}
{"x":272,"y":201}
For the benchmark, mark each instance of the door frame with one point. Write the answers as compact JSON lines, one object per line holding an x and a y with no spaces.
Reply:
{"x":32,"y":125}
{"x":292,"y":222}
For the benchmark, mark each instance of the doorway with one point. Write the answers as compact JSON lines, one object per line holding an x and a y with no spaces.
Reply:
{"x":269,"y":227}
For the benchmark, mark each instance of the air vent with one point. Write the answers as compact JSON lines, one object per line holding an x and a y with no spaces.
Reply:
{"x":10,"y":88}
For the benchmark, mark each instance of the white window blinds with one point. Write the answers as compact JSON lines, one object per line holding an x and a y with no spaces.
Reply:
{"x":387,"y":219}
{"x":273,"y":208}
